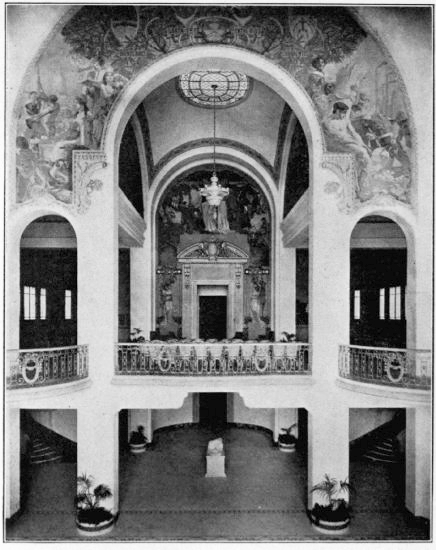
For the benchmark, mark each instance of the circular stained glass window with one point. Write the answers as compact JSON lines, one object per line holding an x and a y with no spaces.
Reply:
{"x":203,"y":88}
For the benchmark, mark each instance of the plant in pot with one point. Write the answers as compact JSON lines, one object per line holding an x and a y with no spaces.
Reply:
{"x":92,"y":519}
{"x":136,"y":336}
{"x":334,"y":516}
{"x":137,"y":441}
{"x":287,"y":439}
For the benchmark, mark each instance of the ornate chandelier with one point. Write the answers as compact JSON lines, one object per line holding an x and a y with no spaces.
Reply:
{"x":214,"y":193}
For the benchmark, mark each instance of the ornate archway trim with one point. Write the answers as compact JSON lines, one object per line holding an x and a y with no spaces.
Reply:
{"x":208,"y":142}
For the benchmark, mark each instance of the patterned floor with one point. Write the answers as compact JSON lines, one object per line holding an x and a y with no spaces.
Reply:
{"x":164,"y":495}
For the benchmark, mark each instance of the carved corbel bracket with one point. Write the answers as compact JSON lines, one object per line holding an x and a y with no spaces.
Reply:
{"x":85,"y":164}
{"x":346,"y":190}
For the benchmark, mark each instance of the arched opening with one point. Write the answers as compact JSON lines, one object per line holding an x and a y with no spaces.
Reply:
{"x":185,"y":219}
{"x":378,"y":280}
{"x":48,"y":284}
{"x":250,"y":143}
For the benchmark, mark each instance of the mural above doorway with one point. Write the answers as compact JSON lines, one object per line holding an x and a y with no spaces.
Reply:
{"x":356,"y":91}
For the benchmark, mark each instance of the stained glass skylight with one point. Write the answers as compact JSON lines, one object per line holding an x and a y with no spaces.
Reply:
{"x":200,"y":88}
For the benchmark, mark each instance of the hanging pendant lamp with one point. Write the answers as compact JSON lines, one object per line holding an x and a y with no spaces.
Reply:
{"x":214,"y":193}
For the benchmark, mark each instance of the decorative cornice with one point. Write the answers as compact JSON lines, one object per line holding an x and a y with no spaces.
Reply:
{"x":143,"y":121}
{"x":212,"y":251}
{"x":296,"y":224}
{"x":208,"y":142}
{"x":281,"y":139}
{"x":129,"y":219}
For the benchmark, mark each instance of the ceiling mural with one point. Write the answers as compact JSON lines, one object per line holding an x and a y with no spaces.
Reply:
{"x":356,"y":92}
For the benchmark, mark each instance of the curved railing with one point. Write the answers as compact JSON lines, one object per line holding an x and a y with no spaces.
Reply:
{"x":406,"y":368}
{"x":45,"y":367}
{"x":232,"y":359}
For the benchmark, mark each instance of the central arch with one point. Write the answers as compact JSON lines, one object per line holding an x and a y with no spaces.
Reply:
{"x":215,"y":57}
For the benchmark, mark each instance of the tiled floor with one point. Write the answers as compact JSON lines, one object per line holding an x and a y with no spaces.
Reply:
{"x":165,"y":496}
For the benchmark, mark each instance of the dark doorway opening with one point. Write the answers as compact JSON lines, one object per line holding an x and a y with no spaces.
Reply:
{"x":213,"y":317}
{"x":213,"y":409}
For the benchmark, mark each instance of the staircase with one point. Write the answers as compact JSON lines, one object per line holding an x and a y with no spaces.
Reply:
{"x":381,"y":445}
{"x":43,"y":451}
{"x":384,"y":450}
{"x":46,"y":445}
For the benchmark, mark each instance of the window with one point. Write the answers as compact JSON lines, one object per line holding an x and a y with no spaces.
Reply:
{"x":204,"y":88}
{"x":357,"y":304}
{"x":68,"y":304}
{"x":29,"y":300}
{"x":381,"y":303}
{"x":395,"y":303}
{"x":31,"y":304}
{"x":42,"y":303}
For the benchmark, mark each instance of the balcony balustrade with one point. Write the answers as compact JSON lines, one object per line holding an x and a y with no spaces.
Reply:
{"x":32,"y":368}
{"x":405,"y":368}
{"x":195,"y":359}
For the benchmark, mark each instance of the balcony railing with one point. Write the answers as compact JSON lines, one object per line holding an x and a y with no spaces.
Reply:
{"x":193,"y":359}
{"x":32,"y":368}
{"x":405,"y":368}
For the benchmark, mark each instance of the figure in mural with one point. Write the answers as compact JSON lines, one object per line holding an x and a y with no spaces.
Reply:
{"x":316,"y":78}
{"x":258,"y":299}
{"x":167,"y":302}
{"x":341,"y":136}
{"x":329,"y":53}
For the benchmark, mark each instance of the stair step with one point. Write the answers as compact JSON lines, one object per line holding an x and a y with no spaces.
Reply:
{"x":48,"y":452}
{"x":381,"y":452}
{"x":41,"y":450}
{"x":378,"y":459}
{"x":55,"y":458}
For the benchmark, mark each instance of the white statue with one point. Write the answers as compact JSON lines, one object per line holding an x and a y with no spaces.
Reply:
{"x":215,"y":447}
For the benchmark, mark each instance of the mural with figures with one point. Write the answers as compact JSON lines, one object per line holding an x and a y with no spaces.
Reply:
{"x":184,"y":217}
{"x":355,"y":89}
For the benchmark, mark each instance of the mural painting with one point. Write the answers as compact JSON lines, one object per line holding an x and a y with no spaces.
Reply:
{"x":356,"y":91}
{"x":185,"y":217}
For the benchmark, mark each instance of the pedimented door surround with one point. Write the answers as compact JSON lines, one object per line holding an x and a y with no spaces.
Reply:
{"x":212,"y":263}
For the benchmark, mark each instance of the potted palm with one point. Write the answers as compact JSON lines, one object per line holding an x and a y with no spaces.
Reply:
{"x":92,"y":519}
{"x":334,"y":516}
{"x":137,"y":441}
{"x":288,"y":439}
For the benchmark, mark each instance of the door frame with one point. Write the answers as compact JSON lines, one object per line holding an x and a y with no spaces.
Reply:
{"x":220,"y":284}
{"x":210,"y":295}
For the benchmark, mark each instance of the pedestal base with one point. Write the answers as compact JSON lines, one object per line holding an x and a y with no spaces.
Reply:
{"x":215,"y":466}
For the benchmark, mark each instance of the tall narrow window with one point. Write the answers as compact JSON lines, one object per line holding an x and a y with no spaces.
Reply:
{"x":395,"y":303}
{"x":68,"y":301}
{"x":357,"y":304}
{"x":42,"y":303}
{"x":29,"y":301}
{"x":381,"y":303}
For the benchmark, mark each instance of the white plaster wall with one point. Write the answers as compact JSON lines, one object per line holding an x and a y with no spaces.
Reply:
{"x":169,"y":417}
{"x":363,"y":421}
{"x":62,"y":422}
{"x":172,"y":121}
{"x":237,"y":412}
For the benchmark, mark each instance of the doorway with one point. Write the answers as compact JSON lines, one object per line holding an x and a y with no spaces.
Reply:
{"x":213,"y":409}
{"x":212,"y":320}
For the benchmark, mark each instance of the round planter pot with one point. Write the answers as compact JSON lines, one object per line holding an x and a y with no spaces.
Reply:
{"x":138,"y":448}
{"x":95,"y":530}
{"x":287,"y":447}
{"x":330,"y":527}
